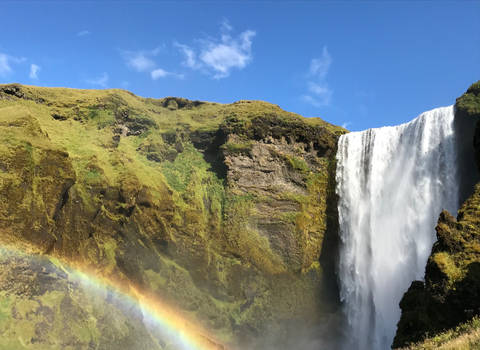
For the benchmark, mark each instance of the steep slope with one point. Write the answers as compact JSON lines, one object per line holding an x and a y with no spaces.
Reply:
{"x":450,"y":294}
{"x":226,"y":212}
{"x":464,"y":337}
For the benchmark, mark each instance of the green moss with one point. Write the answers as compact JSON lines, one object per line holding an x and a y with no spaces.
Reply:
{"x":447,"y":265}
{"x":179,"y":172}
{"x":4,"y":308}
{"x":137,"y":189}
{"x":469,"y":103}
{"x":297,"y":163}
{"x":51,"y":298}
{"x":102,"y":118}
{"x":238,"y":148}
{"x":109,"y":249}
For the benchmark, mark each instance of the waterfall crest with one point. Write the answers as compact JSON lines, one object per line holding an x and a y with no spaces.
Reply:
{"x":392,"y":184}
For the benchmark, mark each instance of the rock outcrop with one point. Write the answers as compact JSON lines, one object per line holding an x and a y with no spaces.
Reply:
{"x":225,"y":212}
{"x":450,"y":294}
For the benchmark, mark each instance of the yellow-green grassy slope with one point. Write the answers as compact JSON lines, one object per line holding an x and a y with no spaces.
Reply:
{"x":464,"y":337}
{"x":153,"y":192}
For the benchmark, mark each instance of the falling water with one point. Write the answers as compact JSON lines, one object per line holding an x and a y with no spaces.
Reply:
{"x":392,"y":183}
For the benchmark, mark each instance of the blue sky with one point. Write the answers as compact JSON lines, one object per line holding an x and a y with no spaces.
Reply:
{"x":360,"y":64}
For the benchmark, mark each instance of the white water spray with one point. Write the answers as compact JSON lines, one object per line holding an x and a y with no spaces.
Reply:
{"x":392,"y":184}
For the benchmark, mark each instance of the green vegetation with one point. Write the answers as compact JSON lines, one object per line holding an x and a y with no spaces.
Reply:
{"x":469,"y":103}
{"x":152,"y":192}
{"x":297,"y":163}
{"x":238,"y":148}
{"x":42,"y":306}
{"x":463,"y":337}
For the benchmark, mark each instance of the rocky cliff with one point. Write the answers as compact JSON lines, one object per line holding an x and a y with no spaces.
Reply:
{"x":225,"y":212}
{"x":450,"y":294}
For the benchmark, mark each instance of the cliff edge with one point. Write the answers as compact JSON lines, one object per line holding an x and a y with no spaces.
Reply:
{"x":450,"y":294}
{"x":226,"y":212}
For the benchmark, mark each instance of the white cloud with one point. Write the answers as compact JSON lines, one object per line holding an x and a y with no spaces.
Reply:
{"x":141,"y":61}
{"x":84,"y":33}
{"x":34,"y":69}
{"x":101,"y":81}
{"x":219,"y":56}
{"x":158,"y":73}
{"x":319,"y":66}
{"x":190,"y":57}
{"x":6,"y":62}
{"x":318,"y":100}
{"x":5,"y":67}
{"x":161,"y":73}
{"x":319,"y":93}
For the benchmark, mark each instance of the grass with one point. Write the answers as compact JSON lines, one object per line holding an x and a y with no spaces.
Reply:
{"x":469,"y":103}
{"x":447,"y":265}
{"x":297,"y":163}
{"x":238,"y":147}
{"x":464,"y":337}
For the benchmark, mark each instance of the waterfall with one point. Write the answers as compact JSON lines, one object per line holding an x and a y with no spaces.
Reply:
{"x":392,"y":184}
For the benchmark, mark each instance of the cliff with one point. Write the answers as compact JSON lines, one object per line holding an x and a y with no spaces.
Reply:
{"x":450,"y":294}
{"x":226,"y":212}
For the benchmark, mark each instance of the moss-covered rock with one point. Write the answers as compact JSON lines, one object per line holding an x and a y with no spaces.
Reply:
{"x":42,"y":306}
{"x":450,"y":294}
{"x":226,"y":212}
{"x":468,"y":106}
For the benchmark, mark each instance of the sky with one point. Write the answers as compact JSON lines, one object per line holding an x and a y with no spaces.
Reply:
{"x":359,"y":64}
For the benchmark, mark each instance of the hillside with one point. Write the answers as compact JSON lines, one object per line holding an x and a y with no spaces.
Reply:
{"x":225,"y":212}
{"x":464,"y":337}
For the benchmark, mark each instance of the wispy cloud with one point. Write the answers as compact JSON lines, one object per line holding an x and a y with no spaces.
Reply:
{"x":190,"y":60}
{"x":101,"y":81}
{"x":34,"y":69}
{"x":5,"y":67}
{"x":83,"y":33}
{"x":6,"y":62}
{"x":346,"y":124}
{"x":319,"y":67}
{"x":161,"y":73}
{"x":158,"y":73}
{"x":141,"y":61}
{"x":219,"y":56}
{"x":319,"y":93}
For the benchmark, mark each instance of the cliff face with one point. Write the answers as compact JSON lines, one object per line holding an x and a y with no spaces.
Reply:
{"x":225,"y":212}
{"x":450,"y":294}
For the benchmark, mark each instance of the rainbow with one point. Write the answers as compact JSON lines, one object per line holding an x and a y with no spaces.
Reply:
{"x":159,"y":318}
